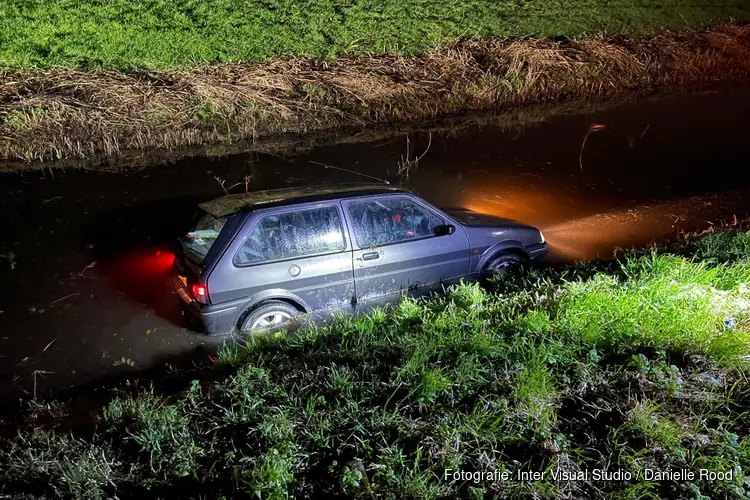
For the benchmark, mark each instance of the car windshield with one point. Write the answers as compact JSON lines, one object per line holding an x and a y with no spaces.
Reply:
{"x":203,"y":235}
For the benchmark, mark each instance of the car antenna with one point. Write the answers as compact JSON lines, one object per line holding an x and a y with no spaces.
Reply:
{"x":350,"y":171}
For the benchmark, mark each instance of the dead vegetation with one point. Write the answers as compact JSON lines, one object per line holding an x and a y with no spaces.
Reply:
{"x":67,"y":113}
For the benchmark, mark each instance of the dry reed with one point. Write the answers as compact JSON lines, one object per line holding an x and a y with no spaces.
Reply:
{"x":69,"y":113}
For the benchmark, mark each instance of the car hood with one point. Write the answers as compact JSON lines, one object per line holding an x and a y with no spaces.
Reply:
{"x":476,"y":219}
{"x":484,"y":230}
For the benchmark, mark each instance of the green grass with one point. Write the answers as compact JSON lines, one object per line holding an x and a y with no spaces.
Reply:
{"x":633,"y":365}
{"x":664,"y":301}
{"x":166,"y":33}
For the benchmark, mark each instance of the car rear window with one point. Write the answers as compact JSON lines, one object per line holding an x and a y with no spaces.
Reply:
{"x":203,"y":235}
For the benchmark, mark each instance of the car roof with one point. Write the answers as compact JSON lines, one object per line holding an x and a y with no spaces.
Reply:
{"x":233,"y":203}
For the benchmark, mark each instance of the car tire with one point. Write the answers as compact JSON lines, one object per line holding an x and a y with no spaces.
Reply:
{"x":269,"y":317}
{"x":503,"y":264}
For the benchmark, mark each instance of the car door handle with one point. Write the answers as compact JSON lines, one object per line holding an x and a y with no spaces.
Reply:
{"x":370,"y":256}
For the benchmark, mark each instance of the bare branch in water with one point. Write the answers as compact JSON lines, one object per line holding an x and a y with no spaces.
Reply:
{"x":407,"y":164}
{"x":645,"y":130}
{"x":227,"y":190}
{"x":221,"y":183}
{"x":594,"y":127}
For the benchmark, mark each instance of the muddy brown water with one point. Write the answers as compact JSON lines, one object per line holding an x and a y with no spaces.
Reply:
{"x":85,"y":253}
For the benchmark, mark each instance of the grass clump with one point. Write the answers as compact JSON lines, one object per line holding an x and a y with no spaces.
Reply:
{"x":666,"y":302}
{"x":627,"y":366}
{"x":74,"y":467}
{"x":160,"y":430}
{"x":721,"y":247}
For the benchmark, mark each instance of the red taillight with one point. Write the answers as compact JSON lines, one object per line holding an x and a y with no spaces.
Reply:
{"x":200,"y":293}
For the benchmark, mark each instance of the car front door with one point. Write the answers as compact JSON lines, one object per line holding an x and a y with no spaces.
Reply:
{"x":396,"y":249}
{"x":301,"y":252}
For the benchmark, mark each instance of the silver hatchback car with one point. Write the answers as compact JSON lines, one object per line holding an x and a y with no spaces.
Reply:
{"x":258,"y":261}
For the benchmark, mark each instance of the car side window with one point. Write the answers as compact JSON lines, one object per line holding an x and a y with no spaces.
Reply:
{"x":390,"y":220}
{"x":292,"y":234}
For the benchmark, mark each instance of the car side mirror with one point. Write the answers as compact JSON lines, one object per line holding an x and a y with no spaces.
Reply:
{"x":444,"y":229}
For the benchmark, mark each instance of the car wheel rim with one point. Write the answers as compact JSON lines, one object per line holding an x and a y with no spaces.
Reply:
{"x":503,"y":266}
{"x":271,"y":320}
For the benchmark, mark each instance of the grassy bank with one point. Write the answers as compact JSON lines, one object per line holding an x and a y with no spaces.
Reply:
{"x":90,"y":80}
{"x":157,"y":34}
{"x":629,"y":366}
{"x":74,"y":113}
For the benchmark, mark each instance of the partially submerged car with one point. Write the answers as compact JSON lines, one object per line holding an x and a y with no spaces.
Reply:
{"x":257,"y":261}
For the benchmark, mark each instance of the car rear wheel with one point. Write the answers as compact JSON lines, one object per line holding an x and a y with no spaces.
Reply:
{"x":503,"y":264}
{"x":270,"y":317}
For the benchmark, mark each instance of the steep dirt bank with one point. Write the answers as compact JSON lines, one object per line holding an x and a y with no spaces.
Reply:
{"x":67,"y":113}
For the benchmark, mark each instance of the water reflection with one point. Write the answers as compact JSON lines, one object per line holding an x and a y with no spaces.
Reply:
{"x":597,"y":235}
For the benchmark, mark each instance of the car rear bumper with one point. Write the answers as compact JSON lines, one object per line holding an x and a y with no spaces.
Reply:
{"x":213,"y":319}
{"x":537,"y":251}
